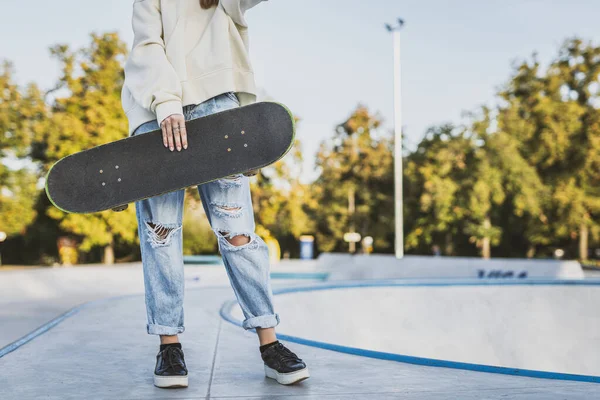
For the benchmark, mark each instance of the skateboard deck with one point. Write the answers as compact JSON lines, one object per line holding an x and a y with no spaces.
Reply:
{"x":227,"y":143}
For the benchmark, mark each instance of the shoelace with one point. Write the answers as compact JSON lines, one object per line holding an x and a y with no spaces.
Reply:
{"x":286,"y":354}
{"x":174,"y":361}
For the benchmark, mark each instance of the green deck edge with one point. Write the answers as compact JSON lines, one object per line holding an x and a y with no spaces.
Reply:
{"x":185,"y":187}
{"x":48,"y":192}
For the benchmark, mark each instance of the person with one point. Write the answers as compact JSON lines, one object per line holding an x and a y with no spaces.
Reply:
{"x":190,"y":59}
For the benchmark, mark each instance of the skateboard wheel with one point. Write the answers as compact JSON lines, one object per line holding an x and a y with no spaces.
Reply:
{"x":251,"y":173}
{"x":121,"y":208}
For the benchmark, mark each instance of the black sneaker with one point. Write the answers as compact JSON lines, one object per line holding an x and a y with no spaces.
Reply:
{"x":283,"y":365}
{"x":170,"y":370}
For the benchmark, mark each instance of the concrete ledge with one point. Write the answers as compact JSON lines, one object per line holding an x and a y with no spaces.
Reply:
{"x":378,"y":266}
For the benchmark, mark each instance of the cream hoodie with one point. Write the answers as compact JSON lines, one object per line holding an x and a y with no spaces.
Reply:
{"x":183,"y":54}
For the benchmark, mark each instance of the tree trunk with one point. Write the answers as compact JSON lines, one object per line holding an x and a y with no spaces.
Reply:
{"x":583,"y":241}
{"x":486,"y":250}
{"x":109,"y":254}
{"x":531,"y":251}
{"x":449,"y":250}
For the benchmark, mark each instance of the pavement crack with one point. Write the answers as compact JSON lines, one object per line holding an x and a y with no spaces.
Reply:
{"x":212,"y":369}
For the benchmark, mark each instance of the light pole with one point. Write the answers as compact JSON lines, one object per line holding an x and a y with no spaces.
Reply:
{"x":2,"y":239}
{"x":399,"y":232}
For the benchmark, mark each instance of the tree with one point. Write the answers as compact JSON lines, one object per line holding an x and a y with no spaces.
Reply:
{"x":464,"y":183}
{"x":87,"y":112}
{"x":354,"y":191}
{"x":18,"y":111}
{"x":504,"y":185}
{"x":435,"y":183}
{"x":578,"y":71}
{"x":555,"y":117}
{"x":281,"y":201}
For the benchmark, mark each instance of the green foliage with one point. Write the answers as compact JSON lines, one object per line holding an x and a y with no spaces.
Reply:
{"x":521,"y":178}
{"x":554,"y":114}
{"x":436,"y":176}
{"x":198,"y":237}
{"x":18,"y":110}
{"x":354,"y":163}
{"x":87,"y":112}
{"x":532,"y":163}
{"x":17,"y":196}
{"x":281,"y":201}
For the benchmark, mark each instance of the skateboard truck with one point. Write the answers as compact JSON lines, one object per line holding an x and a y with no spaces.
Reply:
{"x":121,"y":208}
{"x":251,"y":173}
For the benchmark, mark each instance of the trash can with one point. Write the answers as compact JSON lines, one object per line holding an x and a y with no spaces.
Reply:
{"x":307,"y":247}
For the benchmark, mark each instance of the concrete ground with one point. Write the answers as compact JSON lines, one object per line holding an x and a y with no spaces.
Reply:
{"x":103,"y":352}
{"x":30,"y":297}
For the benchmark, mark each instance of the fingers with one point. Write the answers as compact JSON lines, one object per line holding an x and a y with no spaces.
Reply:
{"x":174,"y":133}
{"x":183,"y":134}
{"x":178,"y":123}
{"x":177,"y":136}
{"x":168,"y":132}
{"x":180,"y":132}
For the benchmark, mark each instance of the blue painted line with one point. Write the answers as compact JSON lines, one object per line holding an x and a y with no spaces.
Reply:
{"x":225,"y":313}
{"x":431,"y":362}
{"x":32,"y":335}
{"x":9,"y":348}
{"x":202,"y":260}
{"x":300,"y":275}
{"x":430,"y":283}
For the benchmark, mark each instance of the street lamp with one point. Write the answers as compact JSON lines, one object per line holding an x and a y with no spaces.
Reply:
{"x":399,"y":231}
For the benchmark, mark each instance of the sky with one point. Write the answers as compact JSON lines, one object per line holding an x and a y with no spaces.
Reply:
{"x":324,"y":57}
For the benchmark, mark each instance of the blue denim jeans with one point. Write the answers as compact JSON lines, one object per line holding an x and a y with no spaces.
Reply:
{"x":228,"y":206}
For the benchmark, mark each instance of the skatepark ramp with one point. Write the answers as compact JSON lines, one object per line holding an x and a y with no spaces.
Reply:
{"x":532,"y":328}
{"x":522,"y":329}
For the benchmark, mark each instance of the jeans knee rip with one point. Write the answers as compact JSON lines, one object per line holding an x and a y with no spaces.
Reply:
{"x":231,"y":210}
{"x":223,"y":236}
{"x":161,"y":234}
{"x":230,"y":181}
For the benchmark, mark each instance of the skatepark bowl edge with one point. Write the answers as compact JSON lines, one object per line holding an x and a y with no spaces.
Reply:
{"x":513,"y":328}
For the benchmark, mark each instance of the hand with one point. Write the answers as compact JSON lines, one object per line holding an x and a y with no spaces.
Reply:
{"x":173,"y":132}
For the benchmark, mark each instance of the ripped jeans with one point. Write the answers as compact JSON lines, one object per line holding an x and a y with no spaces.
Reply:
{"x":228,"y":206}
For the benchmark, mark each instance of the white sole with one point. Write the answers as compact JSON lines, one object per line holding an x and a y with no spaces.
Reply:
{"x":170,"y":381}
{"x":288,"y":378}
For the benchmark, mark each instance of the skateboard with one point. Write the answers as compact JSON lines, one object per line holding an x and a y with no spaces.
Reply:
{"x":231,"y":142}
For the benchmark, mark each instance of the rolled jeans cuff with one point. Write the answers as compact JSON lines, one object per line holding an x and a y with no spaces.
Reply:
{"x":262,"y":321}
{"x":155,"y":329}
